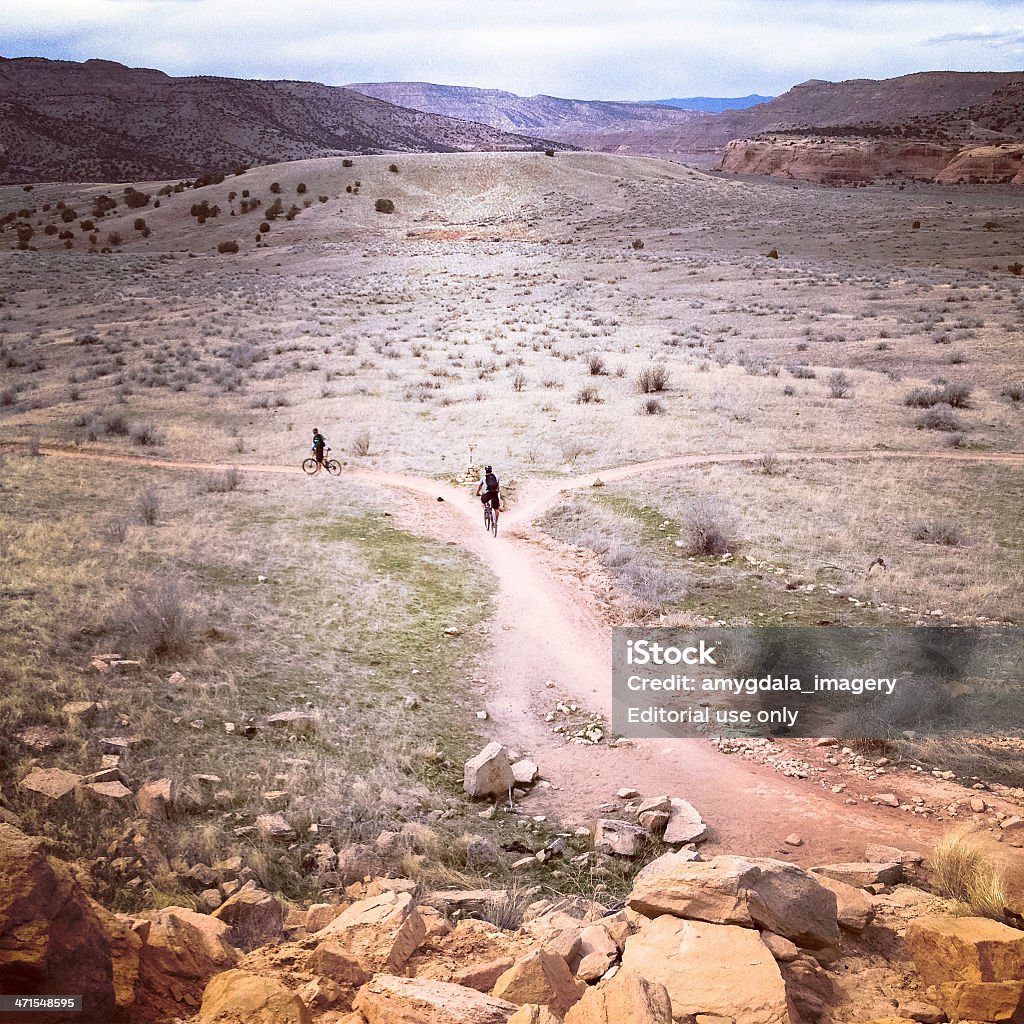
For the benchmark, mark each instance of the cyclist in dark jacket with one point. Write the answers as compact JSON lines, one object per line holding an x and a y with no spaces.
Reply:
{"x":319,"y":446}
{"x":489,"y":490}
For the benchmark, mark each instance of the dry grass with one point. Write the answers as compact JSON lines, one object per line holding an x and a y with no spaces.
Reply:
{"x":960,"y":871}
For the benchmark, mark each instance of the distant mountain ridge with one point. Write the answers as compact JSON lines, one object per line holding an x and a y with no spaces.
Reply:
{"x":715,"y":104}
{"x":103,"y":121}
{"x":550,"y":116}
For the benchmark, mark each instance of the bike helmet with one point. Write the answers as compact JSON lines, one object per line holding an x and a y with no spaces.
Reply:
{"x":316,"y":430}
{"x":487,"y":469}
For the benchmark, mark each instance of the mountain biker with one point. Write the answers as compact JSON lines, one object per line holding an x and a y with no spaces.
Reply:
{"x":489,"y":491}
{"x":319,"y":446}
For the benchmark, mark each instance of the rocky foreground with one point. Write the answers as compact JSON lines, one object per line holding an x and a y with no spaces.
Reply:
{"x":731,"y":939}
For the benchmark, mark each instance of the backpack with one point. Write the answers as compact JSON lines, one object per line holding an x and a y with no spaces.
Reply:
{"x":491,"y":482}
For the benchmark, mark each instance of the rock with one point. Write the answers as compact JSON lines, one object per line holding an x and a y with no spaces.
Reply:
{"x":826,"y":741}
{"x":530,"y":1013}
{"x":886,"y":799}
{"x":52,"y":783}
{"x":876,"y":854}
{"x":332,"y":960}
{"x":978,"y":804}
{"x":489,"y":774}
{"x":109,"y":793}
{"x":275,"y":828}
{"x":300,"y":723}
{"x":357,"y":862}
{"x":482,"y":852}
{"x":999,"y":1001}
{"x":52,"y":937}
{"x":654,"y":803}
{"x":923,"y":1013}
{"x":253,"y":915}
{"x":618,"y":837}
{"x":794,"y":840}
{"x":666,"y":864}
{"x":42,"y":737}
{"x":176,"y":679}
{"x":628,"y":794}
{"x":628,"y":998}
{"x":710,"y":969}
{"x":156,"y":799}
{"x":525,"y":772}
{"x":993,"y":163}
{"x":541,"y":977}
{"x":484,"y":976}
{"x":854,"y":907}
{"x":965,"y":949}
{"x":389,"y":1000}
{"x":251,"y":999}
{"x":83,"y":709}
{"x":381,"y":932}
{"x":181,"y":952}
{"x":598,"y":951}
{"x":684,"y":824}
{"x":654,"y":822}
{"x":782,"y":949}
{"x":754,"y":893}
{"x":859,"y":875}
{"x":324,"y":994}
{"x":320,"y":915}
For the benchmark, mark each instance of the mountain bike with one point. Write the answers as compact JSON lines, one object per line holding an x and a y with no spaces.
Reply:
{"x":312,"y":467}
{"x":490,"y":520}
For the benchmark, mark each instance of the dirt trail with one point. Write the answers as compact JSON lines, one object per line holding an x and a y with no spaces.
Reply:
{"x":546,"y":629}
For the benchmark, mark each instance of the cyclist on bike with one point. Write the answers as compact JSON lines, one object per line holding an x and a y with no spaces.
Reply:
{"x":489,"y":491}
{"x":319,"y":446}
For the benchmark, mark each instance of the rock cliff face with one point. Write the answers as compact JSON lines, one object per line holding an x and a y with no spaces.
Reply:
{"x":995,"y":164}
{"x":833,"y":161}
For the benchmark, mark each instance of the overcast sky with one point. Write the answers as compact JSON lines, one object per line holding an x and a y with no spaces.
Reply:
{"x":589,"y":49}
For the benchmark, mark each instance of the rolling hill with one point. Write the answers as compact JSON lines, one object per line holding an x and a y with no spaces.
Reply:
{"x":102,"y":121}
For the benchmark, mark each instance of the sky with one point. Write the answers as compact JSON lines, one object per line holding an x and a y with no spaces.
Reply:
{"x":585,"y":49}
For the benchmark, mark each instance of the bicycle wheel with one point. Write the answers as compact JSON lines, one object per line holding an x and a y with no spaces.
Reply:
{"x":333,"y":467}
{"x":494,"y":523}
{"x":309,"y":466}
{"x":487,"y":517}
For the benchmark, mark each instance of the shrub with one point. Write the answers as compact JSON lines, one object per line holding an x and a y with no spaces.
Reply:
{"x":939,"y":419}
{"x":962,"y":872}
{"x":301,"y":188}
{"x":707,"y":530}
{"x":652,"y":379}
{"x":134,"y":199}
{"x":393,"y":168}
{"x":915,"y":225}
{"x":223,"y":483}
{"x":769,"y":464}
{"x":159,"y":621}
{"x":275,"y":187}
{"x":939,"y":531}
{"x":361,"y":444}
{"x":227,"y":247}
{"x":588,"y":396}
{"x":838,"y":384}
{"x":637,"y":243}
{"x":114,"y":238}
{"x":802,"y":371}
{"x":68,"y":215}
{"x":772,"y":254}
{"x":1016,"y":268}
{"x":549,"y":152}
{"x":147,"y":507}
{"x":595,"y":363}
{"x":273,"y":211}
{"x":264,"y":228}
{"x":145,"y":435}
{"x":1014,"y":392}
{"x":519,"y":382}
{"x":652,"y":407}
{"x":51,"y":229}
{"x":346,"y":162}
{"x":384,"y":206}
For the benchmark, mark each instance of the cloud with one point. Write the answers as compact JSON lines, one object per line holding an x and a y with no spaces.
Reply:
{"x":601,"y":49}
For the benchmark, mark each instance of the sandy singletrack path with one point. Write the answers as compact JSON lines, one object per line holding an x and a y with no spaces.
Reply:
{"x":545,"y":629}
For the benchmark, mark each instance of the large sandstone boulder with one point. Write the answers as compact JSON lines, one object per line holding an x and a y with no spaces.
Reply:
{"x":975,"y":949}
{"x":619,"y":837}
{"x":181,"y":951}
{"x":389,"y":1000}
{"x":381,"y":932}
{"x":711,"y":969}
{"x":254,"y":916}
{"x":51,"y":937}
{"x":759,"y":893}
{"x":540,"y":977}
{"x":861,"y":874}
{"x":246,"y":998}
{"x":628,"y":998}
{"x":489,"y":773}
{"x":1001,"y":1002}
